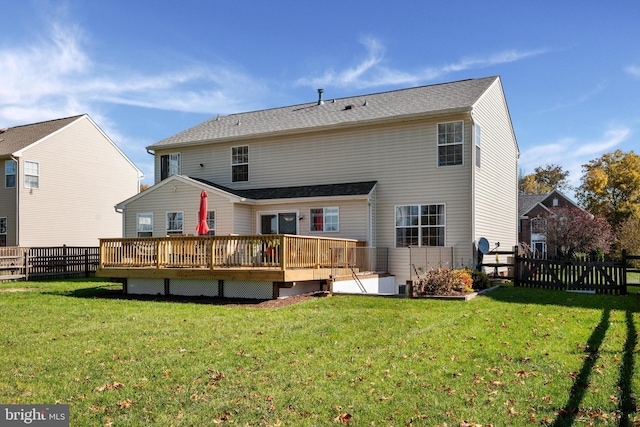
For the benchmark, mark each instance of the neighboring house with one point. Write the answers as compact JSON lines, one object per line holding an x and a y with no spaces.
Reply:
{"x":533,"y":210}
{"x":426,"y":166}
{"x":62,"y":179}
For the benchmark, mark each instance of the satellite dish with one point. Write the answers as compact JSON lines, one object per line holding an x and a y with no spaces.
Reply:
{"x":483,"y":245}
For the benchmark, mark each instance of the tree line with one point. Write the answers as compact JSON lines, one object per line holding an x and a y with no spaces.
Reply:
{"x":609,"y":191}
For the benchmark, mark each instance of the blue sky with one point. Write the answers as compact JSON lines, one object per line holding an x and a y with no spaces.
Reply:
{"x":147,"y":69}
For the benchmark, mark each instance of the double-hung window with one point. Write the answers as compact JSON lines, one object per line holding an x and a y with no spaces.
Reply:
{"x":174,"y":223}
{"x":450,"y":143}
{"x":240,"y":163}
{"x":10,"y":174}
{"x":3,"y":231}
{"x":169,"y":165}
{"x":324,"y":219}
{"x":211,"y":222}
{"x":420,"y":225}
{"x":31,"y":174}
{"x":145,"y":225}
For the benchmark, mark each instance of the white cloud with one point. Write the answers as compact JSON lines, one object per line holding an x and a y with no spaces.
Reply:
{"x":579,"y":99}
{"x":56,"y":76}
{"x":572,"y":153}
{"x":634,"y":70}
{"x":371,"y":71}
{"x":351,"y":76}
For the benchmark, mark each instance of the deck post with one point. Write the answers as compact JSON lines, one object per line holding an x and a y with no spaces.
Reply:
{"x":158,"y":254}
{"x":285,"y":251}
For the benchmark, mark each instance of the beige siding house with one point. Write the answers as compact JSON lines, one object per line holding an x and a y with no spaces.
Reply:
{"x":62,"y":179}
{"x":420,"y":167}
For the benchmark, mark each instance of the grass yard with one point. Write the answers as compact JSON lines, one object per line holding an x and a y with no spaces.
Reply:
{"x":514,"y":357}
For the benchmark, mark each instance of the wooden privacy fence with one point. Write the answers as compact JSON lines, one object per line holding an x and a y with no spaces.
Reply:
{"x":12,"y":261}
{"x":48,"y":262}
{"x":572,"y":275}
{"x":593,"y":276}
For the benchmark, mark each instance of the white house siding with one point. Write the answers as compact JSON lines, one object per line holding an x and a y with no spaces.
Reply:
{"x":400,"y":156}
{"x":82,"y":177}
{"x":243,"y":223}
{"x":496,"y":191}
{"x":177,"y":196}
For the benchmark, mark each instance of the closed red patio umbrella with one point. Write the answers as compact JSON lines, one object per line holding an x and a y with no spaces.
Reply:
{"x":202,"y":227}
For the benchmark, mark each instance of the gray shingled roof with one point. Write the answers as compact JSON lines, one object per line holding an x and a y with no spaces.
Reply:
{"x":526,"y":202}
{"x":327,"y":190}
{"x":18,"y":137}
{"x":423,"y":100}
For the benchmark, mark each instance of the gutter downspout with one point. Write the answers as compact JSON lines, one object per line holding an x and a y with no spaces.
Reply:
{"x":473,"y":190}
{"x":17,"y":199}
{"x":121,"y":212}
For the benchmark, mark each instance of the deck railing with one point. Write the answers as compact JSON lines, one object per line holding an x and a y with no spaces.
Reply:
{"x":277,"y":251}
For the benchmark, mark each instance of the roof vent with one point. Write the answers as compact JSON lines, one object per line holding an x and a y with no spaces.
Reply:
{"x":3,"y":130}
{"x":349,"y":107}
{"x":320,"y":92}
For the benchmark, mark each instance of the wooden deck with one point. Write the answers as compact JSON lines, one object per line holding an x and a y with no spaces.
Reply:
{"x":275,"y":258}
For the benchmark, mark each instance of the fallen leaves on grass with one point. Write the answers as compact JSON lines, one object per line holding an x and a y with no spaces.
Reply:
{"x":215,"y":377}
{"x":124,"y":404}
{"x":116,"y":385}
{"x":343,"y":418}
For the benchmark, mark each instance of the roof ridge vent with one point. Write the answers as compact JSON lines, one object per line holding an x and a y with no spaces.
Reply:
{"x":320,"y":92}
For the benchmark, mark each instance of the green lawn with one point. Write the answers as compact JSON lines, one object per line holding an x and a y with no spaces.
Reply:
{"x":513,"y":357}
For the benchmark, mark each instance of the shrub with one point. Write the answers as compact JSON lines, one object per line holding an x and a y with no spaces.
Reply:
{"x":444,"y":282}
{"x":480,"y":280}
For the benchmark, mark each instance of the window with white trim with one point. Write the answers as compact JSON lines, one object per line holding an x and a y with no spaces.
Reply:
{"x":145,"y":224}
{"x":31,"y":174}
{"x":169,"y":165}
{"x":450,"y":143}
{"x":3,"y":231}
{"x":10,"y":174}
{"x":211,"y":222}
{"x":174,"y":223}
{"x":240,"y":163}
{"x":538,"y":225}
{"x":324,"y":219}
{"x":420,"y":225}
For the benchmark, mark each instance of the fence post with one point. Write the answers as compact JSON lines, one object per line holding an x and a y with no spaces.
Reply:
{"x":516,"y":270}
{"x":623,"y":290}
{"x":64,"y":258}
{"x":86,"y":262}
{"x":26,"y":264}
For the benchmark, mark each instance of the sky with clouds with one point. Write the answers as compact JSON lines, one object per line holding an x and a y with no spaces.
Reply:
{"x":147,"y":69}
